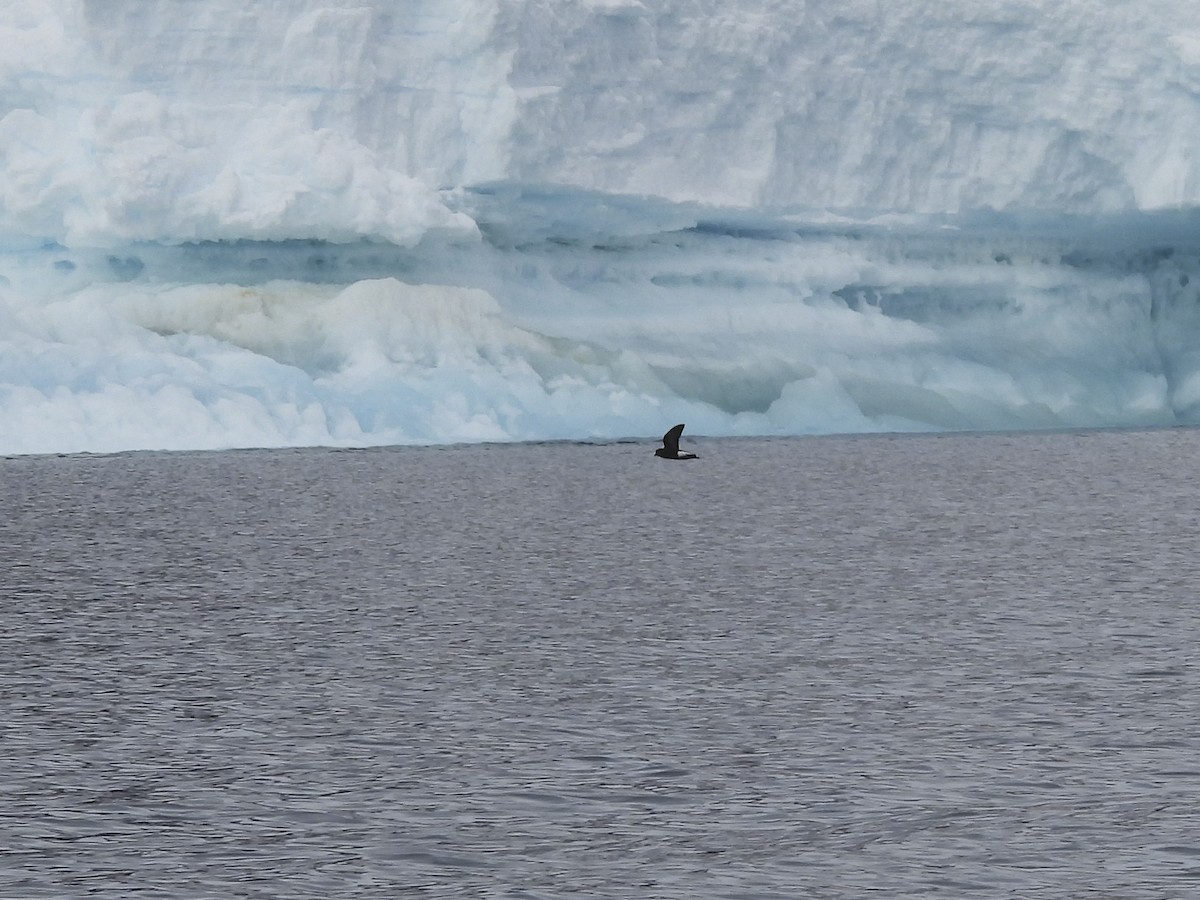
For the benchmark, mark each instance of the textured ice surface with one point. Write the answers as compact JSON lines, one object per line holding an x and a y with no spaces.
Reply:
{"x":365,"y":222}
{"x":578,"y":316}
{"x":151,"y":120}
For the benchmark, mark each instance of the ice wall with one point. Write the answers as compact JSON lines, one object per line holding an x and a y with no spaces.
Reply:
{"x":935,"y":106}
{"x":593,"y":316}
{"x":152,"y":120}
{"x":366,"y":221}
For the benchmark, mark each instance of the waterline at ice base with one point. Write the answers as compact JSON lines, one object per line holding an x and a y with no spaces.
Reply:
{"x":372,"y":223}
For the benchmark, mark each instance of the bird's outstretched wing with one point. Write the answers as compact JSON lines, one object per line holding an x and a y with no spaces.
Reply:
{"x":671,"y":440}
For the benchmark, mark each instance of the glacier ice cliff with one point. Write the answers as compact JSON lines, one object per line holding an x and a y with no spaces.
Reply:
{"x":361,"y":222}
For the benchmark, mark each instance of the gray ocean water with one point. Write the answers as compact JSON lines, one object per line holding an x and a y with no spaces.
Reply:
{"x":896,"y":666}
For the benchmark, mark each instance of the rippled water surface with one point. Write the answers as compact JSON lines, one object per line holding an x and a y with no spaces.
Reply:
{"x":924,"y":666}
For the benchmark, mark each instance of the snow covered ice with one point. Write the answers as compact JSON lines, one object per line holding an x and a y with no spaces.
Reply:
{"x":355,"y":223}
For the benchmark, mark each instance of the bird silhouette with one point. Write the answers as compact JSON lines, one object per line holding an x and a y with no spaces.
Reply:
{"x":670,"y":448}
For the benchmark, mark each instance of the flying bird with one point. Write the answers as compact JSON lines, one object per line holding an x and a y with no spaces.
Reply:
{"x":670,"y":448}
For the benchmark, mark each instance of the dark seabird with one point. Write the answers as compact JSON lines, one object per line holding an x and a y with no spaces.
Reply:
{"x":670,"y":448}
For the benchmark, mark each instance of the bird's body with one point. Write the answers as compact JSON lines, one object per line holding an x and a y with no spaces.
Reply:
{"x":670,"y":448}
